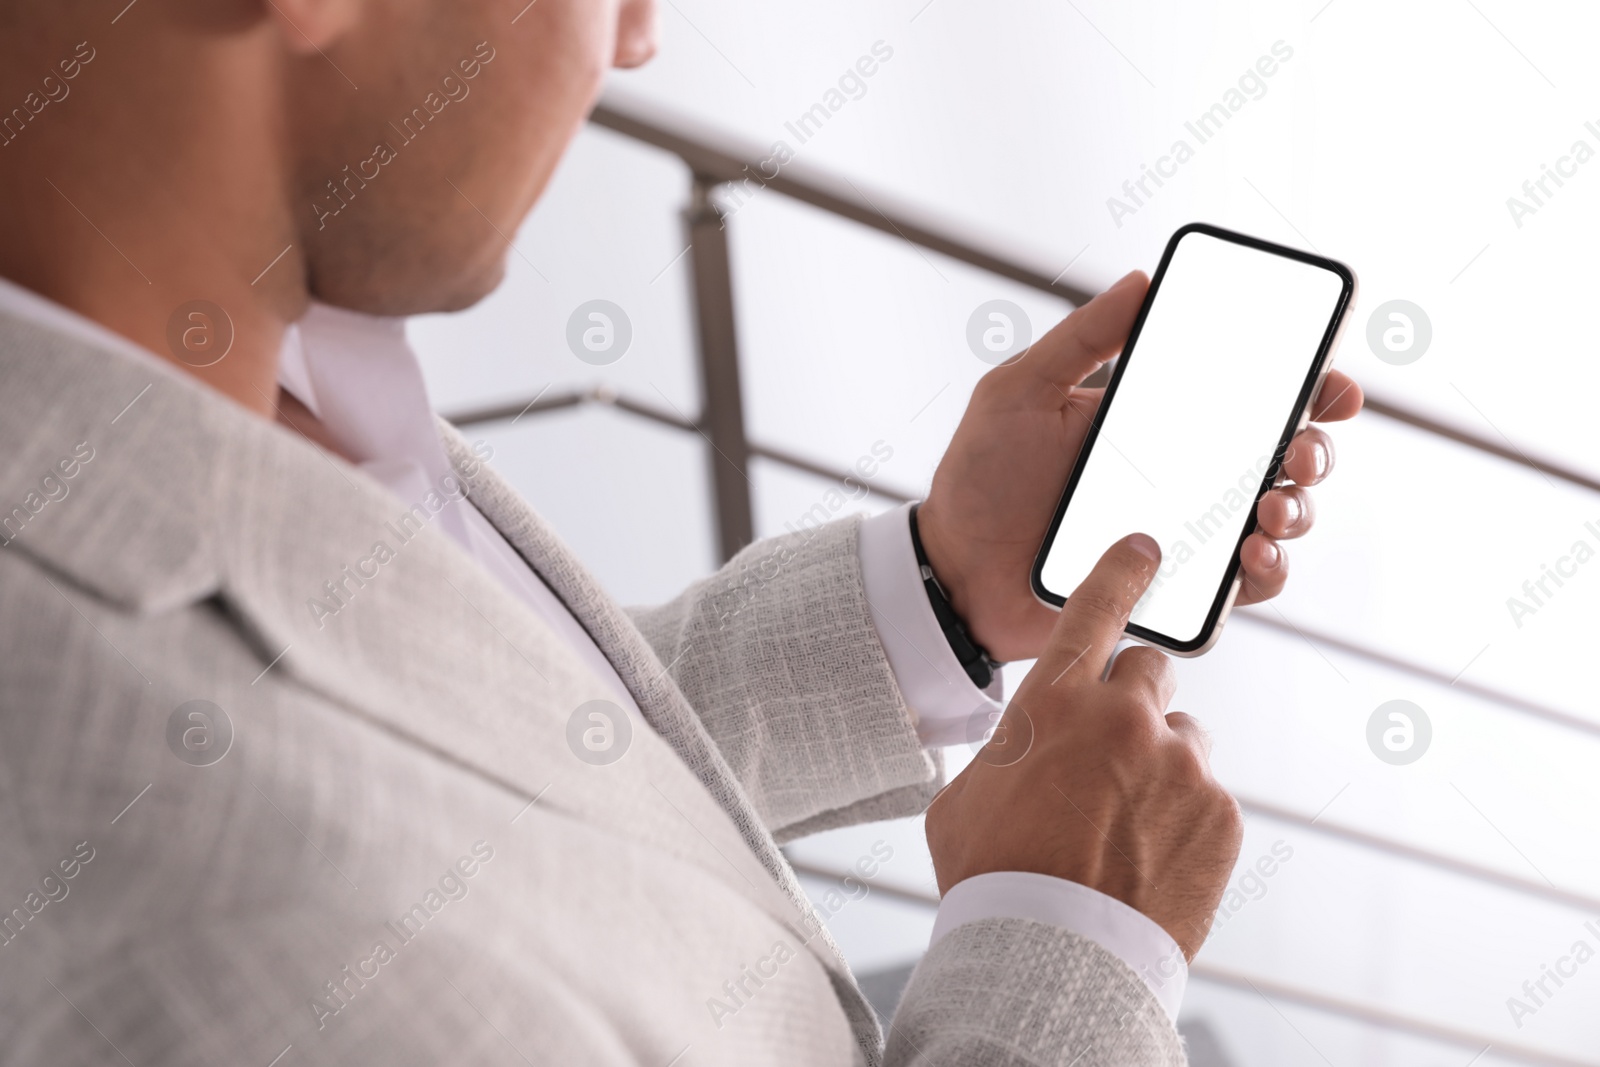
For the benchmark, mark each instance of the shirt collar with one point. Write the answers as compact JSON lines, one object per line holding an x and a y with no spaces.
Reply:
{"x":360,"y":377}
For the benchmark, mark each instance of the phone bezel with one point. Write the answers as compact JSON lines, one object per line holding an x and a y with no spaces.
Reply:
{"x":1298,"y":417}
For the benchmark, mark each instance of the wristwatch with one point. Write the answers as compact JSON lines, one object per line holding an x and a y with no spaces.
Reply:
{"x":977,"y":662}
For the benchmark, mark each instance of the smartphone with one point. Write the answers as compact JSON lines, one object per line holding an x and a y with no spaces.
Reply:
{"x":1219,"y":373}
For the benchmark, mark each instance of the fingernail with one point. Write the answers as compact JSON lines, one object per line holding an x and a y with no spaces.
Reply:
{"x":1323,"y":459}
{"x":1293,"y":510}
{"x":1146,"y":546}
{"x":1274,"y":555}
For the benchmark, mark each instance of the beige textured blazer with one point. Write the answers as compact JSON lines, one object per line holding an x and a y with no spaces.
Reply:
{"x":398,"y":859}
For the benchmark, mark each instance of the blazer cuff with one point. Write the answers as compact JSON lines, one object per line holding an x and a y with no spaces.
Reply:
{"x":1127,"y":933}
{"x":1020,"y":992}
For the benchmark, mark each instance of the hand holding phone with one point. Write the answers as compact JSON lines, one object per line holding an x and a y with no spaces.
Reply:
{"x":1218,"y":374}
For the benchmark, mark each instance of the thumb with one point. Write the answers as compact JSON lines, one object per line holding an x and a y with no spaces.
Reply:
{"x":1090,"y":336}
{"x":1096,"y":613}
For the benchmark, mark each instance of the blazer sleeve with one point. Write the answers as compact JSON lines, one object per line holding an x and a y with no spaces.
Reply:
{"x":778,"y":656}
{"x":1018,"y":993}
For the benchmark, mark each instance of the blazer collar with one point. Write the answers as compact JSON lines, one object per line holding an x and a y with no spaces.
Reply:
{"x":132,"y":523}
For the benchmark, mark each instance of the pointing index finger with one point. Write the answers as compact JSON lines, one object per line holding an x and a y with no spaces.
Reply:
{"x":1095,"y":615}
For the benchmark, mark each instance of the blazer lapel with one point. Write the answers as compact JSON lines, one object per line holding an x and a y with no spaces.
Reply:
{"x":453,"y":658}
{"x":660,"y":701}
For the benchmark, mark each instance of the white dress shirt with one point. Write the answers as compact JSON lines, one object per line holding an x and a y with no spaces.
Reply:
{"x":360,"y":377}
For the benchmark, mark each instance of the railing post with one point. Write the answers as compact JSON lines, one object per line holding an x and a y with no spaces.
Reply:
{"x":722,"y":410}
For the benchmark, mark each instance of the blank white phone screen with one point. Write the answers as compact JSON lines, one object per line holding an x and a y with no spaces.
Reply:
{"x":1210,"y":383}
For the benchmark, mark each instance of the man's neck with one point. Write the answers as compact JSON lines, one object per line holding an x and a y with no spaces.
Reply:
{"x":181,"y":243}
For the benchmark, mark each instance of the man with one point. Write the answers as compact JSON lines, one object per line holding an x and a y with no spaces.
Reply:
{"x":310,"y":729}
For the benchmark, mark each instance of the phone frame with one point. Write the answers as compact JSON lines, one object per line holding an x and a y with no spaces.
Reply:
{"x":1228,"y":591}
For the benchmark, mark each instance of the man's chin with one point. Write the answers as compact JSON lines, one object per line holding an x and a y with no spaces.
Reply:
{"x":473,"y":288}
{"x":428,"y":292}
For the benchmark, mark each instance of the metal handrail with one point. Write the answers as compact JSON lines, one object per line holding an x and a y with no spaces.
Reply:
{"x":1582,"y":902}
{"x":605,"y":397}
{"x":1497,"y":697}
{"x":1509,"y":452}
{"x":727,"y":160}
{"x":730,"y":165}
{"x":737,"y":163}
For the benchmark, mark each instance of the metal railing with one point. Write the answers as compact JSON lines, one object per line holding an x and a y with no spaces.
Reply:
{"x":721,"y":422}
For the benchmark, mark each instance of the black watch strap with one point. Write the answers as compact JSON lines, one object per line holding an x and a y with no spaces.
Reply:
{"x":978,"y":664}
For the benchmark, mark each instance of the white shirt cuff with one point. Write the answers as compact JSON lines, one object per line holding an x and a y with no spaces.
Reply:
{"x":1130,"y":935}
{"x":947,"y":707}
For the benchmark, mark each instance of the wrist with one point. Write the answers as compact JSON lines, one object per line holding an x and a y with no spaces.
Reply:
{"x":962,"y":578}
{"x":979,"y":665}
{"x":928,"y":529}
{"x":991,"y":594}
